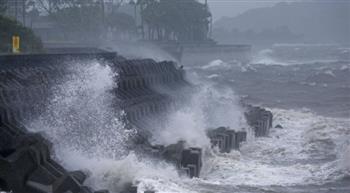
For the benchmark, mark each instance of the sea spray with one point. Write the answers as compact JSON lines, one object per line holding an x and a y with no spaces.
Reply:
{"x":80,"y":114}
{"x":116,"y":174}
{"x":281,"y":159}
{"x":345,"y":160}
{"x":142,"y":50}
{"x":88,"y":133}
{"x":208,"y":107}
{"x":266,"y":57}
{"x":287,"y":157}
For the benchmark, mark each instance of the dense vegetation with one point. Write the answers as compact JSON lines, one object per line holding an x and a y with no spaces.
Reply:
{"x":161,"y":20}
{"x":185,"y":20}
{"x":8,"y":28}
{"x":92,"y":21}
{"x":85,"y":20}
{"x":2,"y":6}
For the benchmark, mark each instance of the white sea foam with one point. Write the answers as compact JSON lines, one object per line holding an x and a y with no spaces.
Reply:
{"x":290,"y":156}
{"x":268,"y":57}
{"x":89,"y":135}
{"x":115,"y":174}
{"x":213,"y":76}
{"x":301,"y":153}
{"x":216,"y":64}
{"x":345,"y":159}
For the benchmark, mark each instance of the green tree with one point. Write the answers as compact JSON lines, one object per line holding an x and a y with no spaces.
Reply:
{"x":48,"y":6}
{"x":3,"y":6}
{"x":121,"y":22}
{"x":185,"y":20}
{"x":82,"y":21}
{"x":8,"y":28}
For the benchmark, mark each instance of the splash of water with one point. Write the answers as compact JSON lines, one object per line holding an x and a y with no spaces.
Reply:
{"x":89,"y":134}
{"x":114,"y":175}
{"x":299,"y":154}
{"x":216,"y":64}
{"x":345,"y":159}
{"x":209,"y":107}
{"x":80,"y":114}
{"x":142,"y":50}
{"x":266,"y":57}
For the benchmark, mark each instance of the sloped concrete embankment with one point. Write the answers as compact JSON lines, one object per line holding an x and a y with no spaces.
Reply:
{"x":26,"y":164}
{"x":25,"y":86}
{"x":25,"y":82}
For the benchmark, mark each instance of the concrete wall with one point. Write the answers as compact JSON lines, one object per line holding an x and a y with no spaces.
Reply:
{"x":26,"y":80}
{"x":146,"y":90}
{"x":202,"y":55}
{"x":25,"y":83}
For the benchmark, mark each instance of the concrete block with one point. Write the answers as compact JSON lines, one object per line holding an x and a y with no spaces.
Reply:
{"x":130,"y":189}
{"x":223,"y":138}
{"x":192,"y":159}
{"x":66,"y":183}
{"x":80,"y":176}
{"x":260,"y":120}
{"x":241,"y":136}
{"x":102,"y":191}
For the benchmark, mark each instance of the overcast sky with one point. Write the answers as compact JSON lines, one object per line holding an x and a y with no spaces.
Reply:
{"x":231,"y":8}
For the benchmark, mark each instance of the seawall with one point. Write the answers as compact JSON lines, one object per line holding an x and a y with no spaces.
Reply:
{"x":25,"y":86}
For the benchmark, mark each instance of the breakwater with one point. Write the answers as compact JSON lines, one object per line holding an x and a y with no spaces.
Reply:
{"x":146,"y":91}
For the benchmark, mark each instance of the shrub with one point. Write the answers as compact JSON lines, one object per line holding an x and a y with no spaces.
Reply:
{"x":28,"y":41}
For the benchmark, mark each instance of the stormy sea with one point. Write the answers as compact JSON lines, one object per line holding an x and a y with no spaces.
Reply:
{"x":307,"y":152}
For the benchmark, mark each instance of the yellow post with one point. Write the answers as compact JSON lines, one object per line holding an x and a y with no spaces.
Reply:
{"x":15,"y":44}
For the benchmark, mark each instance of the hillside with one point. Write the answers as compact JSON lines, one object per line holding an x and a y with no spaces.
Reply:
{"x":317,"y":21}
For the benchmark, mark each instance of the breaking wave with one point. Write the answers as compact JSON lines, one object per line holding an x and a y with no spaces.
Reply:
{"x":89,"y":134}
{"x":208,"y":107}
{"x":270,"y":57}
{"x":266,"y":57}
{"x":310,"y":149}
{"x":87,"y":128}
{"x":80,"y":114}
